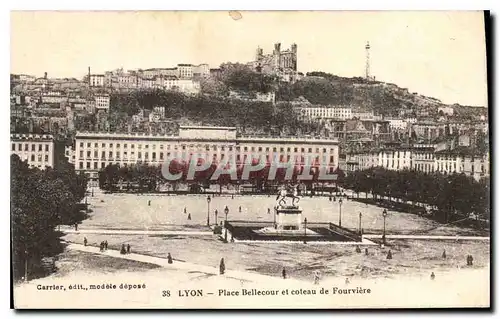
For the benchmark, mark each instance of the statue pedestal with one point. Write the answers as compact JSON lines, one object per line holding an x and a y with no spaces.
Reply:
{"x":289,"y":218}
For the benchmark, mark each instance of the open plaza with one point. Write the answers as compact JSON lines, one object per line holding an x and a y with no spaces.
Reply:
{"x":158,"y":224}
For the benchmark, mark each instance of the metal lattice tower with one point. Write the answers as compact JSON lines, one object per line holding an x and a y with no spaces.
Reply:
{"x":367,"y":66}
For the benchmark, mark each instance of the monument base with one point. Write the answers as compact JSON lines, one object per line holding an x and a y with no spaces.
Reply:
{"x":266,"y":231}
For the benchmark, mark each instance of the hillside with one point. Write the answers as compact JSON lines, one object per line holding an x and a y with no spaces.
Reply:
{"x":383,"y":98}
{"x":250,"y":117}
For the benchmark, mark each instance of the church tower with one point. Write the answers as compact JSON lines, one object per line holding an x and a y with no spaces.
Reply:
{"x":277,"y":56}
{"x":258,"y":54}
{"x":294,"y":57}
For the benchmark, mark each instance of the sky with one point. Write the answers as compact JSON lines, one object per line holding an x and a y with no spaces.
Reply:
{"x":440,"y":54}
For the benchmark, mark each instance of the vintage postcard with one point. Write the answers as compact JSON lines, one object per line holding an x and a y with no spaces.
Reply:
{"x":244,"y":159}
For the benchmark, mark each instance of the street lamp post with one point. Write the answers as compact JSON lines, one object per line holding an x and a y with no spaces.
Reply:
{"x":384,"y":214}
{"x":274,"y":217}
{"x":340,"y":212}
{"x":216,"y":212}
{"x":360,"y":216}
{"x":208,"y":210}
{"x":26,"y":265}
{"x":226,"y":211}
{"x":305,"y":230}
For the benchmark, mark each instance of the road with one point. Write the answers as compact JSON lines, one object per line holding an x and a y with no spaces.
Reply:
{"x":429,"y":237}
{"x":137,"y":232}
{"x":180,"y":265}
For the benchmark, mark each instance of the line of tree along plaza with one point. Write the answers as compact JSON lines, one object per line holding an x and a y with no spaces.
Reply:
{"x":258,"y":173}
{"x":448,"y":198}
{"x":40,"y":201}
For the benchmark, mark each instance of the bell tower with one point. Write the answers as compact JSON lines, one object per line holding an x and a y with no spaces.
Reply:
{"x":277,"y":55}
{"x":294,"y":57}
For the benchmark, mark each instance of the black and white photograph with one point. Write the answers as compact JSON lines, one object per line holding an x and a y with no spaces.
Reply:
{"x":249,"y":159}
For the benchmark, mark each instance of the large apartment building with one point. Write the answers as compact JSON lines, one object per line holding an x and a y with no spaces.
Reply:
{"x":94,"y":151}
{"x":343,"y":113}
{"x":423,"y":159}
{"x":37,"y":150}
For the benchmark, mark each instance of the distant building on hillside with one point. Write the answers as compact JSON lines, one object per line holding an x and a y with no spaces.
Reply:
{"x":446,"y":110}
{"x":280,"y":62}
{"x":323,"y":112}
{"x":96,"y":80}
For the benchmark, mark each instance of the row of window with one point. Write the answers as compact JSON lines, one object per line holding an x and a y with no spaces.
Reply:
{"x":117,"y":156}
{"x":208,"y":147}
{"x":39,"y":158}
{"x":424,"y":167}
{"x":88,"y":164}
{"x":27,"y":148}
{"x":424,"y":156}
{"x":446,"y":158}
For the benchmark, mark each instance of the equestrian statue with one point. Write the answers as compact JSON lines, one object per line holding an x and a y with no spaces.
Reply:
{"x":284,"y":193}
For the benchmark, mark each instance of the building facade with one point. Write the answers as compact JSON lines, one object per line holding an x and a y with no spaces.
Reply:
{"x":37,"y":150}
{"x":398,"y":124}
{"x":447,"y":110}
{"x":102,"y":102}
{"x":424,"y":159}
{"x":280,"y":62}
{"x":461,"y":160}
{"x":363,"y":115}
{"x":94,"y":151}
{"x":97,"y":80}
{"x":342,"y":113}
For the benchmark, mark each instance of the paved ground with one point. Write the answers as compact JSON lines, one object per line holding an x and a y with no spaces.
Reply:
{"x":430,"y":237}
{"x":137,"y":232}
{"x":179,"y":265}
{"x":164,"y":212}
{"x":209,"y":233}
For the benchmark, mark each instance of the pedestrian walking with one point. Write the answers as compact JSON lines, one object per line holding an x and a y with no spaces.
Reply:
{"x":240,"y":209}
{"x":316,"y":277}
{"x":347,"y":280}
{"x":366,"y":251}
{"x":283,"y":273}
{"x":358,"y":250}
{"x":76,"y":226}
{"x":123,"y":251}
{"x":444,"y":254}
{"x":433,"y":276}
{"x":222,"y":267}
{"x":101,"y":246}
{"x":189,"y":216}
{"x":232,"y":196}
{"x":128,"y":248}
{"x":106,"y":245}
{"x":149,"y":202}
{"x":269,"y":210}
{"x":469,"y":260}
{"x":169,"y":258}
{"x":84,"y":241}
{"x":185,"y":211}
{"x":389,"y":254}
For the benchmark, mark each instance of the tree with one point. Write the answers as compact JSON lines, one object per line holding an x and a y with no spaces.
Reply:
{"x":41,"y":200}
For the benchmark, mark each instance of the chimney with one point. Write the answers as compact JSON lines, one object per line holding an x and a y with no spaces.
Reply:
{"x":45,"y":75}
